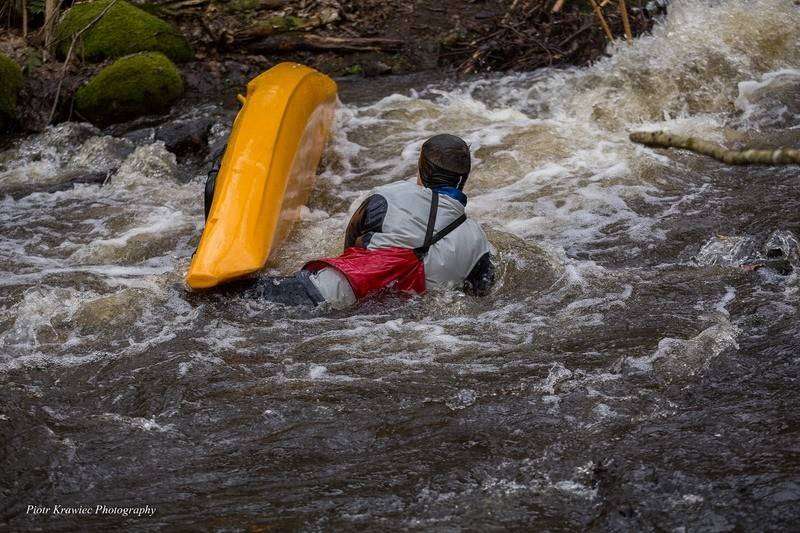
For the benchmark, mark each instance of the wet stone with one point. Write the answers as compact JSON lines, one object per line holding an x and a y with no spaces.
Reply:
{"x":778,"y":252}
{"x":141,"y":136}
{"x":64,"y":181}
{"x":376,"y":68}
{"x":185,"y":137}
{"x":102,"y":153}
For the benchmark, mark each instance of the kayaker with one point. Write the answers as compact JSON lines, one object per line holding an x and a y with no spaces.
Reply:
{"x":405,"y":237}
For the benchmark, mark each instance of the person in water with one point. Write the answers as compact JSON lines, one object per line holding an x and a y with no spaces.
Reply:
{"x":405,"y":237}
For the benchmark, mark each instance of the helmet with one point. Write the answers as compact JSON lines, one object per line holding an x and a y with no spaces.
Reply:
{"x":444,"y":161}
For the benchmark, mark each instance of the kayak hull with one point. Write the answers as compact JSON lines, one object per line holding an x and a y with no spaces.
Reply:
{"x":266,"y":174}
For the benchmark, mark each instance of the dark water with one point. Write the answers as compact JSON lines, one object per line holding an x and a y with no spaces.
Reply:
{"x":630,"y":371}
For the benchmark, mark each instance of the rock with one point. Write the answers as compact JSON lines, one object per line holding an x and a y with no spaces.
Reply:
{"x":10,"y":85}
{"x":772,"y":102}
{"x":102,"y":154}
{"x":186,"y":136}
{"x":60,"y":182}
{"x":136,"y":85}
{"x":147,"y":122}
{"x":376,"y":68}
{"x":33,"y":158}
{"x":328,"y":15}
{"x":141,"y":136}
{"x":181,"y":137}
{"x":124,"y":29}
{"x":148,"y":165}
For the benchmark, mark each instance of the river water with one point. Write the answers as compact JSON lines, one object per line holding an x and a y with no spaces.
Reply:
{"x":630,"y":371}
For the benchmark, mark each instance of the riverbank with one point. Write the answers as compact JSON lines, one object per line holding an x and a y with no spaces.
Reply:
{"x":234,"y":41}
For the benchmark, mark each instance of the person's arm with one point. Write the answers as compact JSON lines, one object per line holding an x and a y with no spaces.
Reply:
{"x":215,"y":157}
{"x":367,"y":219}
{"x":211,"y":184}
{"x":481,"y":278}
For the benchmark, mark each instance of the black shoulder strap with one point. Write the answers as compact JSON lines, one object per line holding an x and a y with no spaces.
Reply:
{"x":431,"y":220}
{"x":430,"y":238}
{"x":446,"y":231}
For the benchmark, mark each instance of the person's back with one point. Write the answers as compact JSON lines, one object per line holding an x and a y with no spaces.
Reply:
{"x":401,"y":219}
{"x":426,"y":218}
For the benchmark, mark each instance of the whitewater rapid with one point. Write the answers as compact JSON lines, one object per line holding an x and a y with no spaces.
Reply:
{"x":626,"y":373}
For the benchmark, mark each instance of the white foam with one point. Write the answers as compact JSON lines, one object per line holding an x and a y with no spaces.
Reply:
{"x":576,"y":489}
{"x":151,"y":164}
{"x":141,"y":423}
{"x":462,"y":399}
{"x":317,"y":371}
{"x":558,"y":374}
{"x":552,"y":165}
{"x":753,"y":92}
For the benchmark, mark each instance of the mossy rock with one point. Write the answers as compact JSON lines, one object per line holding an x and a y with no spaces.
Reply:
{"x":124,"y":29}
{"x":10,"y":84}
{"x":136,"y":85}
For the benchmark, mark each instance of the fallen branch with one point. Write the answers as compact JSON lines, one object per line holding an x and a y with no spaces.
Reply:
{"x":182,"y":4}
{"x":626,"y":23}
{"x":507,"y":17}
{"x":24,"y":19}
{"x":291,"y":43}
{"x":661,"y":139}
{"x":51,"y":8}
{"x":175,"y":7}
{"x":599,"y":14}
{"x":69,"y":57}
{"x":574,"y":34}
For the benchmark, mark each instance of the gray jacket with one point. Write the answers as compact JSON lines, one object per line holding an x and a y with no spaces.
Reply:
{"x":397,"y":215}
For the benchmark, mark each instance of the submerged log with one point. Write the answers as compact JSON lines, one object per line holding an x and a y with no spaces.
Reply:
{"x":661,"y":139}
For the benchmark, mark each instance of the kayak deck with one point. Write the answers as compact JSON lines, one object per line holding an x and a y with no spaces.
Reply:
{"x":267,"y":172}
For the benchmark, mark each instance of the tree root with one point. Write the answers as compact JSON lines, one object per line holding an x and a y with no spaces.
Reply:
{"x":661,"y":139}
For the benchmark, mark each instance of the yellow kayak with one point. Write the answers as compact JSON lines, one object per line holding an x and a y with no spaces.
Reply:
{"x":266,"y":174}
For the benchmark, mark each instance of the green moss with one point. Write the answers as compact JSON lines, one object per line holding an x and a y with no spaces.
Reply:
{"x":133,"y":86}
{"x":354,"y":70}
{"x":154,"y":9}
{"x":123,"y":30}
{"x":279,"y":24}
{"x":10,"y":84}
